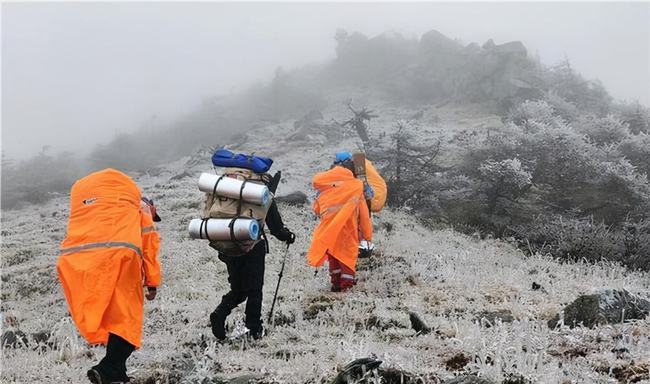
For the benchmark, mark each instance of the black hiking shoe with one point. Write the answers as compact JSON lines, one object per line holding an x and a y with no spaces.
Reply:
{"x":96,"y":376}
{"x":218,"y":324}
{"x":256,"y":334}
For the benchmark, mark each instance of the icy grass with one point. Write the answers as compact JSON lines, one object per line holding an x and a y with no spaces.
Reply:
{"x":449,"y":279}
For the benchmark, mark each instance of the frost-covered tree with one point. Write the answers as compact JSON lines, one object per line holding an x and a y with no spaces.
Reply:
{"x":603,"y":130}
{"x":636,"y":148}
{"x":503,"y":180}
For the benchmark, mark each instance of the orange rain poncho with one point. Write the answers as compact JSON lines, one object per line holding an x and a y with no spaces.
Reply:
{"x":378,"y":187}
{"x":109,"y":253}
{"x":343,"y":213}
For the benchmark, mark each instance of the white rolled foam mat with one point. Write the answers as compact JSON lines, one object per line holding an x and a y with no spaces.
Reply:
{"x":218,"y":229}
{"x":230,"y":187}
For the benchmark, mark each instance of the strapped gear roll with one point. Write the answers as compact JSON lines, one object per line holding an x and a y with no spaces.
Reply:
{"x":235,"y":210}
{"x":224,"y":229}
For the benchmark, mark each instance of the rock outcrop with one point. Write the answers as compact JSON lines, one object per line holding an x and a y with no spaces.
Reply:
{"x":605,"y":307}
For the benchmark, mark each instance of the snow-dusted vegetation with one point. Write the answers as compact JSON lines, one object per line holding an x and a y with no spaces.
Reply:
{"x":486,"y":302}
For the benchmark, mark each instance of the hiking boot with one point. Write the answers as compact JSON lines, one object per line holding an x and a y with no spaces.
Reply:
{"x":218,"y":324}
{"x":96,"y":376}
{"x":256,"y":334}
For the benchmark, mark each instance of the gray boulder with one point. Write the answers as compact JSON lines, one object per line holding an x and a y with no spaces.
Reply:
{"x":514,"y":48}
{"x":245,"y":379}
{"x":606,"y":307}
{"x":294,"y":198}
{"x":489,"y":44}
{"x":312,"y":116}
{"x":356,"y":370}
{"x":418,"y":324}
{"x":489,"y":318}
{"x":435,"y":42}
{"x":13,"y":339}
{"x":467,"y":379}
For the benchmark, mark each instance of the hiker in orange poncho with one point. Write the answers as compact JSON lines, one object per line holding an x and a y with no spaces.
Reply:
{"x":344,"y":217}
{"x":109,"y":254}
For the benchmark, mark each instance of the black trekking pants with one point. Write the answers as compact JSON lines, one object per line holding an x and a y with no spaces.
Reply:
{"x":113,"y":365}
{"x":246,"y":278}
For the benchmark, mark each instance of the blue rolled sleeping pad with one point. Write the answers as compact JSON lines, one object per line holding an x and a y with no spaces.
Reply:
{"x":226,"y":158}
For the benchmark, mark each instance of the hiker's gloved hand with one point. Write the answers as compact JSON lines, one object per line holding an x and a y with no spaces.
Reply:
{"x":286,"y":235}
{"x":368,"y":192}
{"x":151,"y":293}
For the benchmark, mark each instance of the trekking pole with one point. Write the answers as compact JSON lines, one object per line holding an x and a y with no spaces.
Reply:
{"x":275,"y":295}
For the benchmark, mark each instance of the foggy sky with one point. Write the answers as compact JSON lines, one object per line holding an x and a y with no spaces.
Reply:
{"x":76,"y":74}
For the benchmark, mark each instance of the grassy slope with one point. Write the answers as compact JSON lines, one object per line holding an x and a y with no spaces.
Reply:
{"x":448,"y":278}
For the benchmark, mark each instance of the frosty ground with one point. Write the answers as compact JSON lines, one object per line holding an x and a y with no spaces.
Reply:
{"x":475,"y":293}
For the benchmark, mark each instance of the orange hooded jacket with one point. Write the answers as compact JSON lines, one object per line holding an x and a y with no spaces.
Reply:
{"x":109,"y":253}
{"x":343,"y":213}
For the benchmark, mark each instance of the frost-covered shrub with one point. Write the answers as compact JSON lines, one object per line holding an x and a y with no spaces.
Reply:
{"x":565,"y":109}
{"x":499,"y":145}
{"x":586,"y":95}
{"x":603,"y":130}
{"x":539,"y":165}
{"x":563,"y":160}
{"x":619,"y":190}
{"x":505,"y":179}
{"x":530,"y":115}
{"x":636,"y":116}
{"x":636,"y":148}
{"x":574,"y":239}
{"x":636,"y":239}
{"x":38,"y":179}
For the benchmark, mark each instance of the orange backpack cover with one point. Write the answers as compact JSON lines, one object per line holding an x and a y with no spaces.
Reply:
{"x":109,"y":253}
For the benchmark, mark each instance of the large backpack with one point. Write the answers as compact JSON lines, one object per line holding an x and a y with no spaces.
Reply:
{"x":220,"y":207}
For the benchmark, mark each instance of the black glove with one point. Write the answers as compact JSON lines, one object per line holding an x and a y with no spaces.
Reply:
{"x":151,"y":293}
{"x":286,"y":235}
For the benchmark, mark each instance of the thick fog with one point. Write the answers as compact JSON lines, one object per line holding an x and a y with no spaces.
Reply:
{"x":74,"y":74}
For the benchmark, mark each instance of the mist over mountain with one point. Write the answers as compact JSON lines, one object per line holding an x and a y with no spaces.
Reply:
{"x":515,"y":243}
{"x":90,"y":72}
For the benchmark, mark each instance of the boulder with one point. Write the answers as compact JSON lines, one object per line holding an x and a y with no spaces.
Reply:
{"x":467,"y":379}
{"x":245,"y":379}
{"x":13,"y":339}
{"x":605,"y":307}
{"x":418,"y":324}
{"x":435,"y":42}
{"x":296,"y":198}
{"x":394,"y":375}
{"x":181,"y":175}
{"x":491,"y":317}
{"x":514,"y":48}
{"x":489,"y":44}
{"x":311,"y":117}
{"x":473,"y":48}
{"x":356,"y":370}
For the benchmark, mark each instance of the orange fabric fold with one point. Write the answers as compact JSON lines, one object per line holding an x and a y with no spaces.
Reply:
{"x":343,"y":215}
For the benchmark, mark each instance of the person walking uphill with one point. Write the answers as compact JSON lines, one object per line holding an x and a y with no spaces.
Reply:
{"x":344,"y":218}
{"x":246,"y":278}
{"x":245,"y":260}
{"x":108,"y":256}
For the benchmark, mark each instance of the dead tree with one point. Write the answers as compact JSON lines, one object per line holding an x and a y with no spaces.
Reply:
{"x":409,"y":165}
{"x":358,"y":122}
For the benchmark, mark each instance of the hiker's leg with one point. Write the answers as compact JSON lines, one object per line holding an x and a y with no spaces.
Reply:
{"x":335,"y":273}
{"x":347,"y":277}
{"x":113,"y":365}
{"x":230,"y":300}
{"x":237,"y":275}
{"x":255,"y":283}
